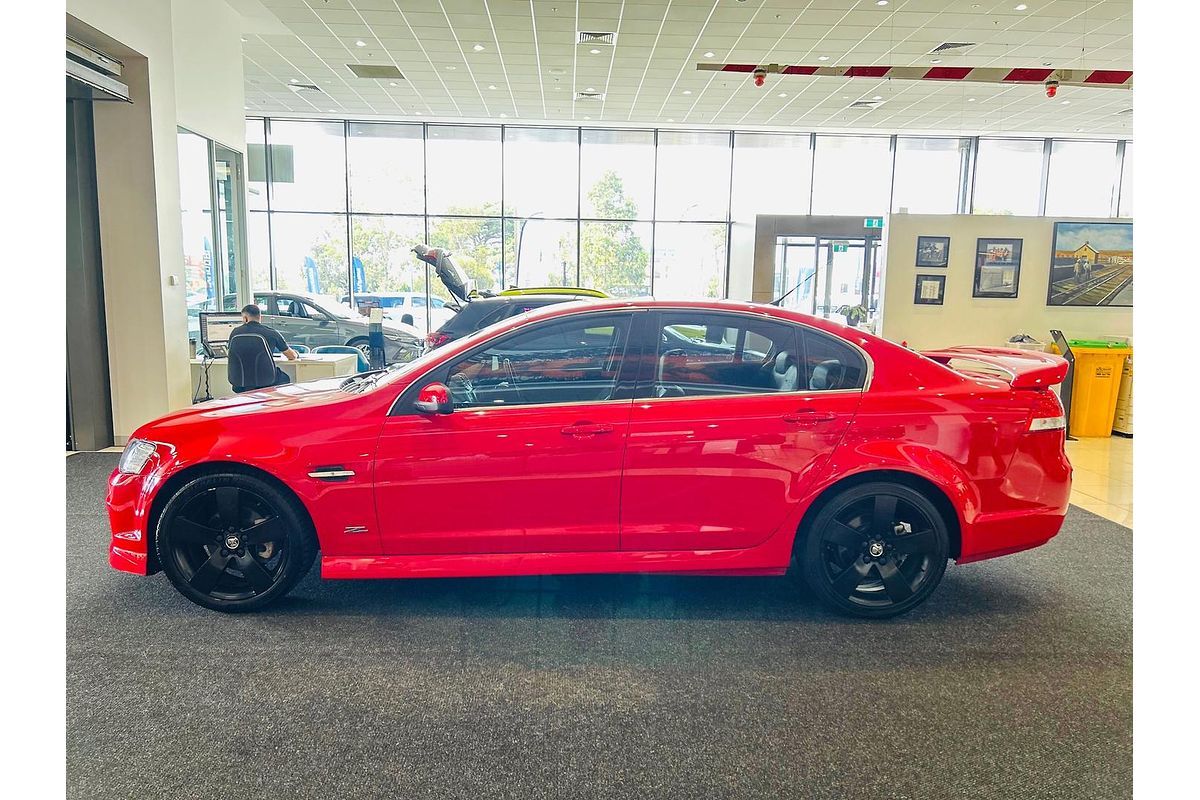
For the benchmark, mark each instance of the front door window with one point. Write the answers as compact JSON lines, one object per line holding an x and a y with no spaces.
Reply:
{"x":575,"y":361}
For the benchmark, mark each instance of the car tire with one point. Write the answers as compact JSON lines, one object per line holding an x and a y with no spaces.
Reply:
{"x":234,"y":542}
{"x":875,"y":550}
{"x":363,"y":344}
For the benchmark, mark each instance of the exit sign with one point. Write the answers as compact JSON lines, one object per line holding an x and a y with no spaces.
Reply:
{"x":841,"y":247}
{"x":873,"y":222}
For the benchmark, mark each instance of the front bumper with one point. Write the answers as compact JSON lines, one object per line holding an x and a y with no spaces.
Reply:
{"x":128,"y":503}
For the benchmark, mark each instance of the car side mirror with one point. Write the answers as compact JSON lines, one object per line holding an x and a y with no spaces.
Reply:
{"x":434,"y":399}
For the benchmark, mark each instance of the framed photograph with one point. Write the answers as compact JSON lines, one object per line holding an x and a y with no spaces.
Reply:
{"x":997,"y":268}
{"x":930,"y":291}
{"x":933,"y":251}
{"x":1091,"y":264}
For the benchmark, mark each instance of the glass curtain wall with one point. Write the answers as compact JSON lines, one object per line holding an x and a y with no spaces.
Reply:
{"x":337,"y":206}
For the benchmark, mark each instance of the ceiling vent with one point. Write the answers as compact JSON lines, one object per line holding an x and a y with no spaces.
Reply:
{"x":865,"y":104}
{"x":378,"y":72}
{"x":948,"y":47}
{"x":304,"y":87}
{"x":589,"y":95}
{"x":597,"y":37}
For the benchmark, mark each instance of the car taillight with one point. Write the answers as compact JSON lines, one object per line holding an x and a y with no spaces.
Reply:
{"x":1047,"y":413}
{"x":436,"y":339}
{"x":1048,"y":423}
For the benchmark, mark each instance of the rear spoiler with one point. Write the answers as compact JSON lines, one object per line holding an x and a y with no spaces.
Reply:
{"x":1026,"y":369}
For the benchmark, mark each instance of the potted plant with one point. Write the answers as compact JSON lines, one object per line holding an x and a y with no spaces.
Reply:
{"x":854,"y":314}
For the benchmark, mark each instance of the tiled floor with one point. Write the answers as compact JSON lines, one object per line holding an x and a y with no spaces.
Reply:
{"x":1104,"y":477}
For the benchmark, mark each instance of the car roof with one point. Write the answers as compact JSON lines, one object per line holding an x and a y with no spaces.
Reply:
{"x":856,"y":335}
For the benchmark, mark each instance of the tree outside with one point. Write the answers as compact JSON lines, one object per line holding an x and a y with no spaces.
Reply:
{"x":615,"y":259}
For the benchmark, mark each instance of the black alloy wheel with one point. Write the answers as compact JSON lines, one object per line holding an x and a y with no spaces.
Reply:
{"x":363,"y":346}
{"x":233,"y":542}
{"x":876,"y":550}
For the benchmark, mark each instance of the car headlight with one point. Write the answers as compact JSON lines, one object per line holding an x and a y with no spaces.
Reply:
{"x":133,"y":459}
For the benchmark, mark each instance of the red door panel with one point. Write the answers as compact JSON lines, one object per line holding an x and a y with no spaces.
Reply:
{"x":723,"y":472}
{"x":502,"y":480}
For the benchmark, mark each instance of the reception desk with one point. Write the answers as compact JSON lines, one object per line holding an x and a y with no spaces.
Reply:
{"x":309,"y":367}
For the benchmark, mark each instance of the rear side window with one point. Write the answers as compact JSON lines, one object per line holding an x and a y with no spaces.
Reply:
{"x":702,"y":354}
{"x":831,"y":364}
{"x":265,"y":303}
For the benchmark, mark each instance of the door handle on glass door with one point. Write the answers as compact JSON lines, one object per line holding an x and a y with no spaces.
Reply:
{"x":587,"y":429}
{"x":809,"y":416}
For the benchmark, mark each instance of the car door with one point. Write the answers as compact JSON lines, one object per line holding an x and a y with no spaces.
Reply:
{"x":727,"y":431}
{"x":530,"y":458}
{"x":320,"y":327}
{"x":287,"y":316}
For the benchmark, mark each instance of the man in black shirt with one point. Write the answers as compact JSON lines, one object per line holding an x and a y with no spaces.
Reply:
{"x":252,"y":323}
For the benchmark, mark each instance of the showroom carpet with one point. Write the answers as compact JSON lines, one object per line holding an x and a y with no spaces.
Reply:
{"x":1013,"y":681}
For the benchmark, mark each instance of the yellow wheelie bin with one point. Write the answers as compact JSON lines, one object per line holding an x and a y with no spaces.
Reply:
{"x":1095,"y":386}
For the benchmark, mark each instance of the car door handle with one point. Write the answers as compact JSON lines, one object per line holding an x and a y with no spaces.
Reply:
{"x":587,"y":429}
{"x":809,"y":416}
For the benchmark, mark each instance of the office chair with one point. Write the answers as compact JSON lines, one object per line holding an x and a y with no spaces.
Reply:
{"x":251,"y":365}
{"x":363,"y":364}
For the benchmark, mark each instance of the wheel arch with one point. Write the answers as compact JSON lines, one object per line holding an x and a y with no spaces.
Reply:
{"x":935,"y":493}
{"x":190,"y":473}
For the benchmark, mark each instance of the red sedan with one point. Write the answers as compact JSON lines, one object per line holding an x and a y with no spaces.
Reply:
{"x":702,"y":437}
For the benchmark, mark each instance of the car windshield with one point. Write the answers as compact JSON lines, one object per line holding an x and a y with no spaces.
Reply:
{"x":366,"y":381}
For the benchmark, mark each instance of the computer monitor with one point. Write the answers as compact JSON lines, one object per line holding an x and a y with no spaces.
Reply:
{"x":215,"y":328}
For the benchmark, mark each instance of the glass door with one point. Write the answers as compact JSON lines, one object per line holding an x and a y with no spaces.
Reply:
{"x":230,"y":232}
{"x":211,"y":191}
{"x":847,"y":280}
{"x":200,"y":274}
{"x":795,"y":273}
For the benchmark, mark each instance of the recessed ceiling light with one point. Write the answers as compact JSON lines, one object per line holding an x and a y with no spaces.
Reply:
{"x":477,"y":48}
{"x":687,"y":91}
{"x":877,"y":97}
{"x":333,"y":111}
{"x":244,"y":39}
{"x":970,"y":99}
{"x":709,"y":54}
{"x":591,"y":89}
{"x":936,"y":61}
{"x":246,"y":107}
{"x":594,"y":51}
{"x":558,"y":88}
{"x":361,"y":43}
{"x":1020,"y":7}
{"x":881,"y":2}
{"x":782,"y":94}
{"x":451,"y":67}
{"x":587,"y":117}
{"x":392,"y":83}
{"x":1066,"y":102}
{"x":670,"y":120}
{"x":491,"y":86}
{"x":293,"y":80}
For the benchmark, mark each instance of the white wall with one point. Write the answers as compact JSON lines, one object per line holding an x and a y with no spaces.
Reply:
{"x":210,"y":94}
{"x":982,"y":321}
{"x":137,"y":178}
